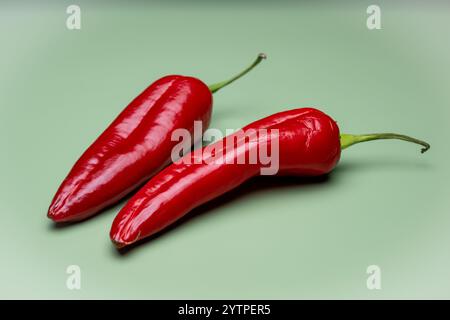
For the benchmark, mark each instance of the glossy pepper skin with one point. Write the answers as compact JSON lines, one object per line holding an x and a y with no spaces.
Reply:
{"x":309,"y":145}
{"x":136,"y":145}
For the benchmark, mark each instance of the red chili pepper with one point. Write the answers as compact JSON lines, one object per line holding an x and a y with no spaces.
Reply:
{"x":309,"y":145}
{"x":135,"y":146}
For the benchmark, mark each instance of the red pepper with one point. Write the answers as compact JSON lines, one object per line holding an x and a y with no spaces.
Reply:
{"x":135,"y":146}
{"x":309,"y":145}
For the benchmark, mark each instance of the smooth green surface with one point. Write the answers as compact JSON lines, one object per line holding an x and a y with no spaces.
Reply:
{"x":386,"y":204}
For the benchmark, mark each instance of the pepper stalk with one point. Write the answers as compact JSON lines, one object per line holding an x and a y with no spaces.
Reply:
{"x":219,"y":85}
{"x":348,"y":140}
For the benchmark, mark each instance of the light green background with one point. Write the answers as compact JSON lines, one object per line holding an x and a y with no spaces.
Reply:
{"x":385,"y":204}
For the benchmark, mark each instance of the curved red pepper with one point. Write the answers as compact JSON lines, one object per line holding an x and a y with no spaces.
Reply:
{"x":309,"y":145}
{"x":135,"y":146}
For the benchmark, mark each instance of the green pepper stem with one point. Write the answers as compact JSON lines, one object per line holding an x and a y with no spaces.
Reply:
{"x":219,"y":85}
{"x":348,"y":140}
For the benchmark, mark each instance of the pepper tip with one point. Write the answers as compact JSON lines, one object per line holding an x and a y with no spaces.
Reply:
{"x":53,"y":216}
{"x":118,"y":245}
